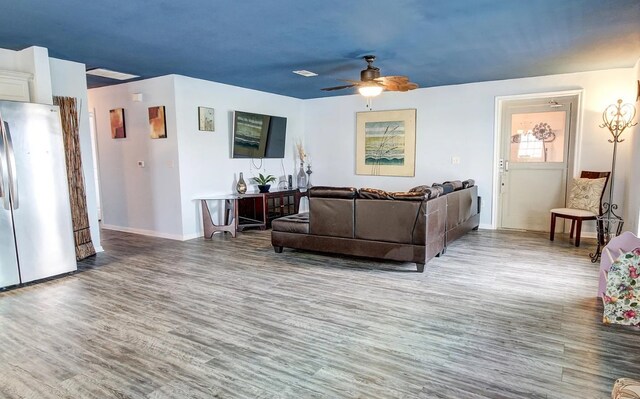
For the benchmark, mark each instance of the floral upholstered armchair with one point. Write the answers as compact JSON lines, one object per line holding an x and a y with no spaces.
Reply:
{"x":621,"y":295}
{"x":626,"y":388}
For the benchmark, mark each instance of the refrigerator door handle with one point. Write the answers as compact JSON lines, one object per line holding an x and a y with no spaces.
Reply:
{"x":4,"y":194}
{"x":11,"y":165}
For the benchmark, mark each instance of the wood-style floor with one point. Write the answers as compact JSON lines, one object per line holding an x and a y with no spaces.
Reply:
{"x":501,"y":315}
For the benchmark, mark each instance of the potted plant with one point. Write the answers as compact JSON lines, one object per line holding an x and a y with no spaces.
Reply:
{"x":263,"y":182}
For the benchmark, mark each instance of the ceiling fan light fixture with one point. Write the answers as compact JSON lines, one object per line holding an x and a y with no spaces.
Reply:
{"x":370,"y":90}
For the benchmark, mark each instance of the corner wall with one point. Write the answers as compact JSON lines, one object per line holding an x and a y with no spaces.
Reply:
{"x":159,"y":199}
{"x":206,"y":166}
{"x":459,"y":121}
{"x":143,"y":200}
{"x":34,"y":61}
{"x":69,"y":79}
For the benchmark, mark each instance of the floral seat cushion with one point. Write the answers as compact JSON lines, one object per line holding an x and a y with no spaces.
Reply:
{"x":626,"y":388}
{"x":622,"y":295}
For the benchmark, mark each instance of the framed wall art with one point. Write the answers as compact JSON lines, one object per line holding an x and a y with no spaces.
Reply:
{"x":157,"y":123}
{"x":116,"y":117}
{"x":205,"y":119}
{"x":386,"y":143}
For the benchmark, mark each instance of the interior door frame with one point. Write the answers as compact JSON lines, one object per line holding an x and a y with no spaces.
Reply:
{"x":574,"y":144}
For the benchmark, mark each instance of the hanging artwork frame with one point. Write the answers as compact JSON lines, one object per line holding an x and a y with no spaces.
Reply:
{"x":386,"y":143}
{"x":118,"y":128}
{"x":157,"y":122}
{"x":206,"y":121}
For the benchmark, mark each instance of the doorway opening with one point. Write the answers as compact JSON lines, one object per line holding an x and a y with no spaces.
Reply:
{"x":96,"y":174}
{"x":535,"y":151}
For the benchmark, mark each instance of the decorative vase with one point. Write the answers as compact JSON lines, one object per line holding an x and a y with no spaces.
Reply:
{"x":241,"y":187}
{"x":309,"y":172}
{"x":302,"y":178}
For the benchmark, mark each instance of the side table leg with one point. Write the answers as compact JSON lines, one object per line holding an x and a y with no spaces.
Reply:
{"x":207,"y":222}
{"x":210,"y":228}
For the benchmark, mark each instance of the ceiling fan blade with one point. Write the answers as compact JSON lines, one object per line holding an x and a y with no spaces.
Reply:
{"x":371,"y":77}
{"x":397,"y":78}
{"x":397,"y":83}
{"x":337,"y":87}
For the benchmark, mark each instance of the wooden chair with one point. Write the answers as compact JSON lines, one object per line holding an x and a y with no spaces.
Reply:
{"x":577,"y":216}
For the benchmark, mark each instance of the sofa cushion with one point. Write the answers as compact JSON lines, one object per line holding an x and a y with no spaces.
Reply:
{"x":446,"y":187}
{"x":457,"y":184}
{"x":421,"y":188}
{"x":468,"y":183}
{"x":332,"y":192}
{"x":374,"y":193}
{"x":430,"y":192}
{"x":331,"y":216}
{"x":391,"y":221}
{"x":298,"y":223}
{"x":410,"y":196}
{"x":436,"y":191}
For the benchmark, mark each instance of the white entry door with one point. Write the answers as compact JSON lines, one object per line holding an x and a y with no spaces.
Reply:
{"x":536,"y":137}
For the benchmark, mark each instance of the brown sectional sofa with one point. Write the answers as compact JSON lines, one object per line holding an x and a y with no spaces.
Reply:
{"x":412,"y":227}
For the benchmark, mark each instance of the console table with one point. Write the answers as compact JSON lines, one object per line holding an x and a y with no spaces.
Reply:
{"x":243,"y":211}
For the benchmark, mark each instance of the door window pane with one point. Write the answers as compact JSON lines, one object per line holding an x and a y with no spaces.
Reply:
{"x":538,"y":137}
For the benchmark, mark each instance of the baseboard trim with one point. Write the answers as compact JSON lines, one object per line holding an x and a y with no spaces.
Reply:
{"x":144,"y":232}
{"x":192,"y":236}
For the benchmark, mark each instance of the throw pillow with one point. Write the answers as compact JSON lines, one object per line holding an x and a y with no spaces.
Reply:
{"x":373,"y":193}
{"x":585,"y":194}
{"x":419,"y":189}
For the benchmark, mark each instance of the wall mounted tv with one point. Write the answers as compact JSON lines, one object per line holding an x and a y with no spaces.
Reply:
{"x":258,"y":136}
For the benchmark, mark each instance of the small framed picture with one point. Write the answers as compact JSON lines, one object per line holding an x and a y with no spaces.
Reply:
{"x":205,"y":119}
{"x":157,"y":123}
{"x":118,"y":130}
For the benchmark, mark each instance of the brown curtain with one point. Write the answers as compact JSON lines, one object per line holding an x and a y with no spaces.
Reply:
{"x":77,"y":194}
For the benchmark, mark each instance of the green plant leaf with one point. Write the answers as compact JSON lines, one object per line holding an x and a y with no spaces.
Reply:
{"x":264,"y":180}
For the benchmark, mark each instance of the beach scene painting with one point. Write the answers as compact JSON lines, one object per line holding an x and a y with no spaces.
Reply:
{"x":250,"y":134}
{"x":386,"y":143}
{"x":383,"y":144}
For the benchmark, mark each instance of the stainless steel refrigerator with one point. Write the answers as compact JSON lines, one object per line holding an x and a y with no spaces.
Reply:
{"x":36,"y":232}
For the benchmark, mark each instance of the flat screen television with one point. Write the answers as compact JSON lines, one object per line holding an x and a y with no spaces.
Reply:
{"x":258,"y":136}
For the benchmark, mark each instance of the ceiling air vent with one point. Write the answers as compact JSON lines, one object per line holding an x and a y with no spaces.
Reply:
{"x":107,"y":73}
{"x":305,"y":73}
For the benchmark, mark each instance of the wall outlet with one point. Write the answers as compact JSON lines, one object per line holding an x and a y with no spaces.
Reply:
{"x":141,"y":164}
{"x":455,"y":160}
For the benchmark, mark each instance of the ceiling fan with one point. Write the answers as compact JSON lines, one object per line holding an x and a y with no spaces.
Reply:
{"x":371,"y":83}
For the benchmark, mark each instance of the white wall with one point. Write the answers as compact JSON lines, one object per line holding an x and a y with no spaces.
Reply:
{"x":34,"y":61}
{"x":69,"y":79}
{"x":143,"y":200}
{"x":460,"y":121}
{"x":632,"y":137}
{"x":160,"y":198}
{"x":206,"y":166}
